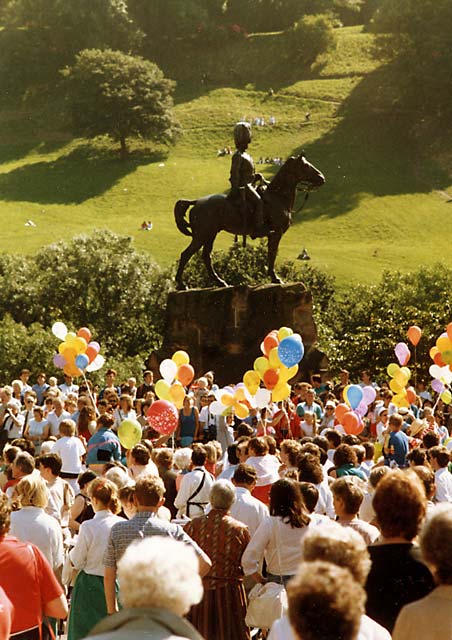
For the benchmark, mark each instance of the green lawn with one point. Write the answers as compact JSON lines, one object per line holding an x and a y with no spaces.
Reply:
{"x":380,"y":208}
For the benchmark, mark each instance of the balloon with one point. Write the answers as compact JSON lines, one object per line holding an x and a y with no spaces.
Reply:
{"x":286,"y":374}
{"x":291,"y":350}
{"x":284,"y":332}
{"x":400,"y":400}
{"x":392,"y":369}
{"x":261,"y":365}
{"x":241,"y":410}
{"x":449,"y":330}
{"x":82,"y":361}
{"x":411,"y":395}
{"x":80,"y":345}
{"x":361,"y":409}
{"x":369,"y":394}
{"x":91,"y":353}
{"x":216,"y":408}
{"x":71,"y":370}
{"x":94,"y":345}
{"x":70,"y":354}
{"x":354,"y":395}
{"x":162,"y":390}
{"x":240,"y":392}
{"x":439,"y":360}
{"x":402,"y":352}
{"x":163,"y":417}
{"x":400,"y":378}
{"x":271,"y":378}
{"x":406,"y":372}
{"x":185,"y":374}
{"x":168,"y":370}
{"x":84,"y":333}
{"x":395,"y":386}
{"x":273,"y":359}
{"x":446,"y":396}
{"x":177,"y":394}
{"x":129,"y":433}
{"x":70,"y":338}
{"x":444,"y":343}
{"x":96,"y":364}
{"x":433,"y":351}
{"x":180,"y":358}
{"x":341,"y":410}
{"x":227,"y":399}
{"x":59,"y":330}
{"x":414,"y":335}
{"x":435,"y":371}
{"x":59,"y":360}
{"x":447,"y":357}
{"x":281,"y":391}
{"x":270,"y":342}
{"x":351,"y":423}
{"x":262,"y":398}
{"x":437,"y":386}
{"x":252,"y":381}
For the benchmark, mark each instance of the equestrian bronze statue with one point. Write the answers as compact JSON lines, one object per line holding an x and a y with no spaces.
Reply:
{"x":254,"y":206}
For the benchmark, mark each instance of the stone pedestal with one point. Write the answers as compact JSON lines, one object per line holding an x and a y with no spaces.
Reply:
{"x":222,"y":329}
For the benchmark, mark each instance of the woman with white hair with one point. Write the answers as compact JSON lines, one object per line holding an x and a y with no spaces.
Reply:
{"x":221,"y":613}
{"x":159,"y":583}
{"x":431,"y":617}
{"x":182,"y":462}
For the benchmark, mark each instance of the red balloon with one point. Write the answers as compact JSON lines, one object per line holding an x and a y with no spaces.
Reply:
{"x":438,"y":360}
{"x":85,"y":333}
{"x":341,"y":410}
{"x":271,"y":378}
{"x":270,"y":342}
{"x":185,"y":374}
{"x":163,"y":417}
{"x":91,"y":353}
{"x":351,"y":423}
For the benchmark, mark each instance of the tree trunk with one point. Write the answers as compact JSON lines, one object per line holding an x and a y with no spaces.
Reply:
{"x":124,"y":148}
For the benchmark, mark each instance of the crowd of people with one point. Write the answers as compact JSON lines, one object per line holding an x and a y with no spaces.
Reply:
{"x":178,"y":536}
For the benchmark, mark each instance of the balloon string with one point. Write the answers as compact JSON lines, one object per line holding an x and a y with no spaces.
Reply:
{"x":91,"y":395}
{"x":415,"y":366}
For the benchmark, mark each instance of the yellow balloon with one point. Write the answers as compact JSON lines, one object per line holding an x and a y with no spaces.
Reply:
{"x":162,"y":389}
{"x":177,"y":393}
{"x":284,"y":332}
{"x":400,"y":401}
{"x":79,"y":345}
{"x":261,"y":365}
{"x":407,"y":372}
{"x":62,"y":347}
{"x":273,"y":359}
{"x":241,"y":410}
{"x":129,"y":433}
{"x":446,"y":396}
{"x":281,"y":392}
{"x":401,"y":378}
{"x":227,"y":399}
{"x":344,"y":394}
{"x":286,"y":374}
{"x":181,"y":357}
{"x":443,"y":343}
{"x":392,"y":369}
{"x":70,"y":338}
{"x":251,"y":380}
{"x":395,"y":386}
{"x":240,"y":394}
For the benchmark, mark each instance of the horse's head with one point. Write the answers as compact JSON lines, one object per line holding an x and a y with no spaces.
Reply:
{"x":305,"y":173}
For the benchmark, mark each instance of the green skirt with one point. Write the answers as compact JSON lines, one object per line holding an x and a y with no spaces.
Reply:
{"x":88,"y":605}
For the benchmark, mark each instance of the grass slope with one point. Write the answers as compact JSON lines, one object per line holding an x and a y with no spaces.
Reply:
{"x":384,"y":204}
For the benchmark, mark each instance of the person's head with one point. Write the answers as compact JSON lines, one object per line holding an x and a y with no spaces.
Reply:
{"x":257,"y":447}
{"x":242,"y":449}
{"x":23,"y":465}
{"x":395,"y":422}
{"x":344,"y":454}
{"x":286,"y":502}
{"x":333,"y":437}
{"x":360,"y":452}
{"x":105,"y":421}
{"x":32,"y":491}
{"x":104,"y":495}
{"x":38,"y":413}
{"x":309,"y":468}
{"x":10,"y":453}
{"x":347,"y":496}
{"x":5,"y":514}
{"x":222,"y":495}
{"x":245,"y":476}
{"x":140,"y":455}
{"x":430,"y":440}
{"x":24,"y":375}
{"x":148,"y":377}
{"x":118,"y":475}
{"x":168,"y":575}
{"x":164,"y":458}
{"x":125,"y":403}
{"x":339,"y":545}
{"x":245,"y":430}
{"x":149,"y":491}
{"x":399,"y":504}
{"x":416,"y":457}
{"x":50,"y":465}
{"x":271,"y":443}
{"x":290,"y":450}
{"x":211,"y":452}
{"x":377,"y":474}
{"x":198,"y":455}
{"x":85,"y":478}
{"x":110,"y":377}
{"x":427,"y":477}
{"x":310,"y":495}
{"x":321,"y":442}
{"x":29,"y":401}
{"x":182,"y":458}
{"x":325,"y":602}
{"x":58,"y":405}
{"x":67,"y":428}
{"x":439,"y":457}
{"x":369,"y":450}
{"x":436,"y":543}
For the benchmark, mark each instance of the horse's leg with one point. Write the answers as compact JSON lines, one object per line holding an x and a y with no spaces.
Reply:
{"x":206,"y":251}
{"x":273,"y":244}
{"x":194,"y":246}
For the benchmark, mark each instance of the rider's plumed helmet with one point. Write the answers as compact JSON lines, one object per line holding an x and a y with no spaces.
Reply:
{"x":242,"y":133}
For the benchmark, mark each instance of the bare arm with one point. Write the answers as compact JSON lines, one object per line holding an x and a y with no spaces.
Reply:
{"x":205,"y":564}
{"x":110,"y":589}
{"x":56,"y":608}
{"x":196,"y":437}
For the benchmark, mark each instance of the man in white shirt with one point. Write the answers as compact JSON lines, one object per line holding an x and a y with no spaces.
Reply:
{"x":68,"y":386}
{"x":439,"y":459}
{"x":56,"y":416}
{"x":246,"y":508}
{"x":193,"y":496}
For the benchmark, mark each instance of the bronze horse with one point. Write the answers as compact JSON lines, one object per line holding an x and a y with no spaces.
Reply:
{"x":214,"y":213}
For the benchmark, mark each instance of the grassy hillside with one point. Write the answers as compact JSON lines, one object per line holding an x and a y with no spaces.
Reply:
{"x":385,"y":204}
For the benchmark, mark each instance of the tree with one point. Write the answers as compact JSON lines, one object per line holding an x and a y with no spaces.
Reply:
{"x":111,"y":93}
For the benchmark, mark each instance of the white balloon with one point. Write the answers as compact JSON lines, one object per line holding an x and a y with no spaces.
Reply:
{"x":217,"y":408}
{"x":59,"y":330}
{"x":168,"y":369}
{"x":96,"y":364}
{"x":262,"y":398}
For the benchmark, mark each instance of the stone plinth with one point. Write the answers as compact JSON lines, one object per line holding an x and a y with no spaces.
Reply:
{"x":222,"y":329}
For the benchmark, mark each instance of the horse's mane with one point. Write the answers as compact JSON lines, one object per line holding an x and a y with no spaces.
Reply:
{"x":279,"y":181}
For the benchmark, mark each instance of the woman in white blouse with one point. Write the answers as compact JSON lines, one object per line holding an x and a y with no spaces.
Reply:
{"x":279,"y":536}
{"x":88,"y":604}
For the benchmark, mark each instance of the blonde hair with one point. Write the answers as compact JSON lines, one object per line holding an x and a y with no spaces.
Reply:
{"x":67,"y":428}
{"x":168,"y":575}
{"x":32,"y":491}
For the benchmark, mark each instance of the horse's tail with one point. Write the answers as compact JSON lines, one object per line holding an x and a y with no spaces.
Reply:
{"x":180,"y":210}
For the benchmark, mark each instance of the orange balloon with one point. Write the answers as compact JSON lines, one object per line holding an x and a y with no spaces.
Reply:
{"x":91,"y":353}
{"x":341,"y":410}
{"x":411,"y":395}
{"x":185,"y":374}
{"x":271,"y":378}
{"x":414,"y":335}
{"x":84,"y":333}
{"x":352,"y":424}
{"x":270,"y":342}
{"x":449,"y":330}
{"x":438,"y":360}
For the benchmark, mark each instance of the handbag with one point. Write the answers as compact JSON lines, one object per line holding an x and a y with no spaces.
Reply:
{"x":267,"y":602}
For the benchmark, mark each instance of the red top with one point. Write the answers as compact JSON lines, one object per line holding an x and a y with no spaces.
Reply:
{"x":28,"y":581}
{"x":6,"y":614}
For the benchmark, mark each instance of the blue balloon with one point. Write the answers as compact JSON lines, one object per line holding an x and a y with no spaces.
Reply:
{"x":82,"y":361}
{"x":354,"y":395}
{"x":291,"y":350}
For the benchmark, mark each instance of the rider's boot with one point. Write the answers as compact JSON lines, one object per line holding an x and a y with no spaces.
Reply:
{"x":260,"y":229}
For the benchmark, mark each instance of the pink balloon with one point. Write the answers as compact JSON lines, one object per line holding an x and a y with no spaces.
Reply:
{"x":361,"y":409}
{"x":402,"y":352}
{"x":369,"y":395}
{"x":59,"y":360}
{"x":437,"y":386}
{"x":95,"y":345}
{"x":163,"y":417}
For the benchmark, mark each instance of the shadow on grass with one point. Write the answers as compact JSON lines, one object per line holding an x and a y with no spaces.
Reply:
{"x":372,"y":150}
{"x":84,"y":173}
